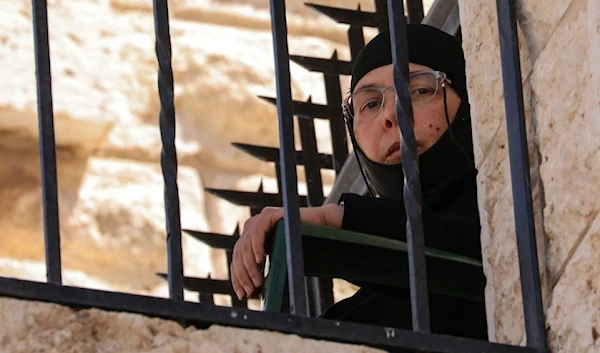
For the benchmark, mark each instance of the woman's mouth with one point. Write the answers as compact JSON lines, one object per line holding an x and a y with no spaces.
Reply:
{"x":394,"y":150}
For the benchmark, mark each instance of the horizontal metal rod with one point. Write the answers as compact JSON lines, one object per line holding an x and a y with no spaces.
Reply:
{"x":252,"y":199}
{"x":271,"y":154}
{"x":214,"y":240}
{"x":205,"y":285}
{"x":326,"y":66}
{"x":207,"y":314}
{"x":305,"y":109}
{"x":351,"y":17}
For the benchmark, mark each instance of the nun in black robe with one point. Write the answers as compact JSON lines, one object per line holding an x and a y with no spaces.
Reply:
{"x":449,"y":197}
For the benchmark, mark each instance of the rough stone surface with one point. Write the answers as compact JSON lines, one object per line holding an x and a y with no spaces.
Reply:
{"x":37,"y":327}
{"x":479,"y":23}
{"x":558,"y":48}
{"x":563,"y":156}
{"x":573,"y":319}
{"x":106,"y":121}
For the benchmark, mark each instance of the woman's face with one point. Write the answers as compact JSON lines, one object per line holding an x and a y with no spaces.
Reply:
{"x":379,"y":138}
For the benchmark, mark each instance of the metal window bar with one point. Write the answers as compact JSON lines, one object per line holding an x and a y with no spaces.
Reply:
{"x":203,"y":315}
{"x":47,"y":145}
{"x":419,"y":296}
{"x":521,"y":184}
{"x":319,"y":290}
{"x":381,"y":9}
{"x":294,"y":251}
{"x":176,"y":309}
{"x":168,"y":157}
{"x":333,"y":92}
{"x":415,"y":11}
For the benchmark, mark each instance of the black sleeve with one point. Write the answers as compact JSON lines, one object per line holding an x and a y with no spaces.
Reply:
{"x":456,"y":232}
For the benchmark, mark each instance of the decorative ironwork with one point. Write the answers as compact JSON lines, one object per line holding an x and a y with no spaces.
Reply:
{"x":205,"y":313}
{"x":410,"y":164}
{"x":168,"y":156}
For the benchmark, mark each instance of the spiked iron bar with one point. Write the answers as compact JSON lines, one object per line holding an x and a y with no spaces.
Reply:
{"x":326,"y":66}
{"x":271,"y":154}
{"x":351,"y":17}
{"x":252,"y":199}
{"x":304,"y":109}
{"x":214,"y":240}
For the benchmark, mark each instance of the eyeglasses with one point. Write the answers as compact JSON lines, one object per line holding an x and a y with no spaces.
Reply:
{"x":366,"y":103}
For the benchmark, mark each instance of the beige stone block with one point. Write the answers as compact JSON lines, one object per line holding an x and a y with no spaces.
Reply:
{"x":32,"y":326}
{"x":105,"y":89}
{"x":498,"y":237}
{"x":573,"y":319}
{"x":568,"y":131}
{"x":21,"y":199}
{"x":85,"y":103}
{"x":479,"y":23}
{"x":539,"y":20}
{"x":594,"y":41}
{"x":116,"y":229}
{"x":505,"y":316}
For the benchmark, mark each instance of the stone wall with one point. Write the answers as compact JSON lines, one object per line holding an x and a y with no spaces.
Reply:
{"x":108,"y":141}
{"x":559,"y":48}
{"x":40,"y":327}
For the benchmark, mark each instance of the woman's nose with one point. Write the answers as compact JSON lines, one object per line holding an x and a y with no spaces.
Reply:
{"x":389,"y":113}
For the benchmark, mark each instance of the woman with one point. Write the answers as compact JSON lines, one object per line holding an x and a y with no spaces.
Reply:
{"x":450,"y":215}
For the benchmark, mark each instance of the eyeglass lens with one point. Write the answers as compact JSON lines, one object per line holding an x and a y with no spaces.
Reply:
{"x":367,"y":102}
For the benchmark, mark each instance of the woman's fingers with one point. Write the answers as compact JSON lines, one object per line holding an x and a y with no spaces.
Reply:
{"x":251,"y":268}
{"x":237,"y":287}
{"x":264,"y":224}
{"x":249,"y":252}
{"x":243,"y":277}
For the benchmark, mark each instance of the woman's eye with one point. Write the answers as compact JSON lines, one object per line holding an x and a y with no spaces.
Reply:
{"x":373,"y":104}
{"x":421,"y":91}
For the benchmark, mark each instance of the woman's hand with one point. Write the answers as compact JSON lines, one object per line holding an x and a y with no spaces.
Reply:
{"x":249,"y":251}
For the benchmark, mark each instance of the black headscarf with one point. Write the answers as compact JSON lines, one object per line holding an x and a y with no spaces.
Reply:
{"x":451,"y":157}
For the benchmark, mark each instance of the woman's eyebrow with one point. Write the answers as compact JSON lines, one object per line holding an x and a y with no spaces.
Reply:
{"x":370,"y":85}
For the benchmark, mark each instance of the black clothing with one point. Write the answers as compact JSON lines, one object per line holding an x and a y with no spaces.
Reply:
{"x":377,"y":305}
{"x":449,"y":197}
{"x":450,"y":222}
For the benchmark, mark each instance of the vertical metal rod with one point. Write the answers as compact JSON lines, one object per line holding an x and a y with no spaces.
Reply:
{"x":168,"y":157}
{"x":381,"y":8}
{"x":356,"y":40}
{"x":320,"y":290}
{"x":333,"y":92}
{"x":310,"y":153}
{"x":47,"y":143}
{"x":287,"y":153}
{"x":410,"y":164}
{"x":415,"y":11}
{"x":521,"y":184}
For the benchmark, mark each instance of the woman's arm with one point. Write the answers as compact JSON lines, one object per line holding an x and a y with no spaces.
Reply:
{"x":249,"y":251}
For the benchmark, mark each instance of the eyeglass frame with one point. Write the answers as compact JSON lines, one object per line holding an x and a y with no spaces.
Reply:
{"x":440,"y":76}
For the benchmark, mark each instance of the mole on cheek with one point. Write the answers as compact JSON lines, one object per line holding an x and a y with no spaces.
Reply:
{"x":431,"y":126}
{"x":437,"y":128}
